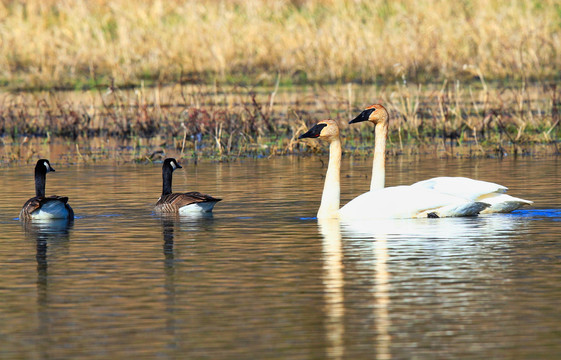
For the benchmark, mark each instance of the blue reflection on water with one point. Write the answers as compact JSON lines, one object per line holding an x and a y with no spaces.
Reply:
{"x":537,"y":214}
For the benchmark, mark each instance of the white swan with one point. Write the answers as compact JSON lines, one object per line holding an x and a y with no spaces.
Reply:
{"x":392,"y":202}
{"x":474,"y":190}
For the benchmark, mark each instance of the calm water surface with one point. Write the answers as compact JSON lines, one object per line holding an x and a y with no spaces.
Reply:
{"x":261,"y":278}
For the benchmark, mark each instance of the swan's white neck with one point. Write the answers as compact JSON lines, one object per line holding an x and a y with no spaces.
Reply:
{"x":379,"y":163}
{"x":330,"y":198}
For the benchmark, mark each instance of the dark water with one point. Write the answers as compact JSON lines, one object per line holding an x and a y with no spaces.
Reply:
{"x":262,"y":279}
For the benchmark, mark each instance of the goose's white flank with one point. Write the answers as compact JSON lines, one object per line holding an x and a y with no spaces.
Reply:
{"x":393,"y":202}
{"x":474,"y":190}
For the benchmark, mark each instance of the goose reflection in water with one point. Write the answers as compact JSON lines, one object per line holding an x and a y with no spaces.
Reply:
{"x":333,"y":282}
{"x":173,"y":224}
{"x":168,"y":230}
{"x":51,"y":238}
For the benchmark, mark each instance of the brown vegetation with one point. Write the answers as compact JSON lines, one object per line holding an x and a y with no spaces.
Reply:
{"x":233,"y":121}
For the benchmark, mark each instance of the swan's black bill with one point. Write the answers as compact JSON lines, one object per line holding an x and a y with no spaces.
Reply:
{"x":314,"y":132}
{"x":363,"y":116}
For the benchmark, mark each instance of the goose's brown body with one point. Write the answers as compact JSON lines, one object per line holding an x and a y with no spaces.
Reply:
{"x":170,"y":202}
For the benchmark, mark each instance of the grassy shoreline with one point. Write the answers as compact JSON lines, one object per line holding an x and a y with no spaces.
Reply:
{"x":214,"y":122}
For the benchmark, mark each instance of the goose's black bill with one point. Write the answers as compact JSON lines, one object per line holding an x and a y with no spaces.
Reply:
{"x":314,"y":132}
{"x":363,"y":116}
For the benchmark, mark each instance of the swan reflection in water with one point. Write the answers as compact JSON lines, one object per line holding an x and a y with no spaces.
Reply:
{"x":333,"y":280}
{"x":400,"y":237}
{"x":51,"y":238}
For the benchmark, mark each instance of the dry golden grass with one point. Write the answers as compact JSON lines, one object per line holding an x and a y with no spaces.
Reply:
{"x":53,"y":43}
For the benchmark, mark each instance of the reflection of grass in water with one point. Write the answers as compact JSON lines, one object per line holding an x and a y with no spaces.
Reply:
{"x":222,"y":122}
{"x":76,"y":44}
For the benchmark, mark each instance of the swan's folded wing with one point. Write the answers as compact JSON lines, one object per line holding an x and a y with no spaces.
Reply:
{"x":475,"y":190}
{"x":461,"y":187}
{"x":503,"y":203}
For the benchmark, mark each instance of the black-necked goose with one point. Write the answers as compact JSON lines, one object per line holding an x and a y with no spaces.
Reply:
{"x":41,"y":207}
{"x":182,"y":203}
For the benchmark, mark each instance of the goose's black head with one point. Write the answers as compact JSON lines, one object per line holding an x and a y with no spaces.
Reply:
{"x":43,"y":166}
{"x":171,"y":163}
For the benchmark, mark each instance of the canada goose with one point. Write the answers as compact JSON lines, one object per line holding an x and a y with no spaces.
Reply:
{"x":41,"y":207}
{"x":392,"y":202}
{"x":470,"y":189}
{"x":182,"y":203}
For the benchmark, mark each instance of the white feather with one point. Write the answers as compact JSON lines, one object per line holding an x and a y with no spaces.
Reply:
{"x":408,"y":202}
{"x":475,"y":190}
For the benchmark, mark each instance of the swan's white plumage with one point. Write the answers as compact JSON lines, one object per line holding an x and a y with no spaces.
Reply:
{"x":472,"y":190}
{"x":461,"y":186}
{"x":393,"y":202}
{"x":408,"y":202}
{"x":475,"y":190}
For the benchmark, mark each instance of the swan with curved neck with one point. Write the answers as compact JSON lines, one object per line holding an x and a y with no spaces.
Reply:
{"x":378,"y":115}
{"x":393,"y":202}
{"x":330,"y":198}
{"x":470,"y":189}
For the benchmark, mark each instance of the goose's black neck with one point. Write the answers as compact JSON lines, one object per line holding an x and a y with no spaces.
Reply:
{"x":166,"y":176}
{"x":40,"y":179}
